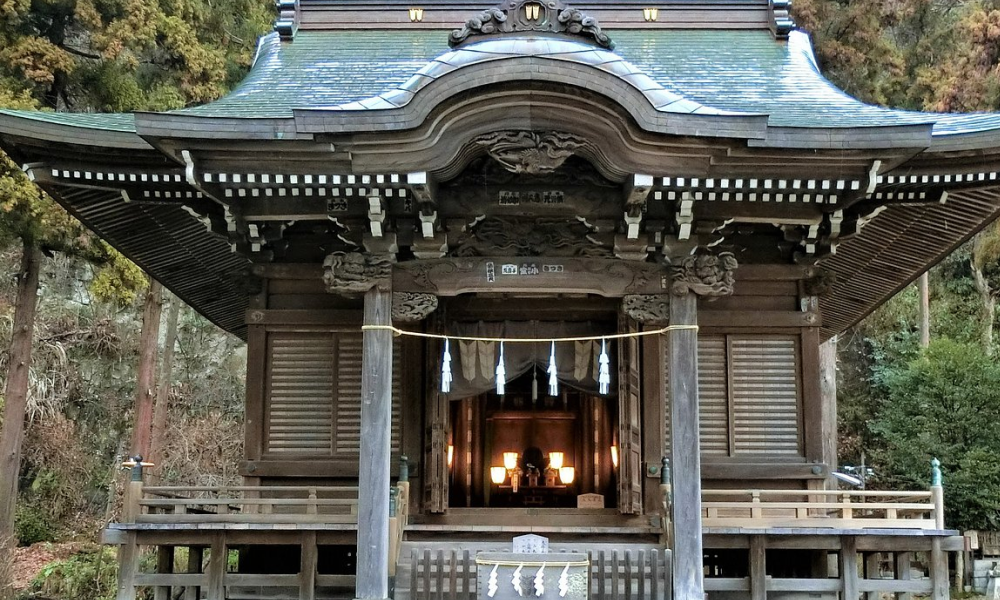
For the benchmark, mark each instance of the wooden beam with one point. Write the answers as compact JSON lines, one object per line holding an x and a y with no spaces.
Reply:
{"x":721,"y":468}
{"x":374,"y":462}
{"x":350,"y":319}
{"x":686,"y":467}
{"x":760,"y":318}
{"x":751,"y":272}
{"x":600,"y":276}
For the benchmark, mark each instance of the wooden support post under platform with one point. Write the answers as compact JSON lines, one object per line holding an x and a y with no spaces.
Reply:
{"x":128,"y":565}
{"x":373,"y":480}
{"x":217,"y":561}
{"x":902,"y":571}
{"x":939,"y":571}
{"x":758,"y":568}
{"x":164,"y":564}
{"x":849,"y":568}
{"x":686,"y":468}
{"x":195,"y":556}
{"x":307,"y":567}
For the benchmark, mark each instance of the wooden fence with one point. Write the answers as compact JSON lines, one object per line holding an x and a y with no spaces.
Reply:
{"x":622,"y":573}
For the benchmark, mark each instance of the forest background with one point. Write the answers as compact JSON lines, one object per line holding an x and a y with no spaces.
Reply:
{"x":900,"y":403}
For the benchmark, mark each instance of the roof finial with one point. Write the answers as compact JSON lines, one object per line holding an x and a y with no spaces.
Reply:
{"x":514,"y":16}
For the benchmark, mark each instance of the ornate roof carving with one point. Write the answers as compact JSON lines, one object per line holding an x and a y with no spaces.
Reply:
{"x":514,"y":16}
{"x":530,"y":152}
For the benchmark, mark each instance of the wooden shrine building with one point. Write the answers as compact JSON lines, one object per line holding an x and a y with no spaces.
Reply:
{"x":668,"y":201}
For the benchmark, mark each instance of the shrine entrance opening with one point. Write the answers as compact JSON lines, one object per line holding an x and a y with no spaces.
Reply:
{"x":527,"y":448}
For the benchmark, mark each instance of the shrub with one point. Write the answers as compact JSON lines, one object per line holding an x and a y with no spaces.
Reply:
{"x":88,"y":575}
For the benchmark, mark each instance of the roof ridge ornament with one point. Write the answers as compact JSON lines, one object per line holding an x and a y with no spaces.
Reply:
{"x":780,"y":18}
{"x":515,"y":16}
{"x":287,"y":22}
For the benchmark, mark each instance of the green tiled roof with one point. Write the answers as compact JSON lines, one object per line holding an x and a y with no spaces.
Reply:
{"x":734,"y":70}
{"x":124,"y":122}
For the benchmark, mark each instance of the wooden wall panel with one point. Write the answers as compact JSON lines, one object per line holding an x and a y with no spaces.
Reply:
{"x":749,"y":393}
{"x":299,"y":393}
{"x":713,"y":396}
{"x":766,"y":397}
{"x":313,"y":394}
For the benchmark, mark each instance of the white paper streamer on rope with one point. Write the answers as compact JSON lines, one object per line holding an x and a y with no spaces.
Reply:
{"x":446,"y":376}
{"x":501,"y":373}
{"x":492,"y":586}
{"x":553,"y":372}
{"x":604,"y":369}
{"x":515,"y":580}
{"x":540,"y":581}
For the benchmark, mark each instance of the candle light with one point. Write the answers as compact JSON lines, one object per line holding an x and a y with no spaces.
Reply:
{"x":556,"y":460}
{"x":498,"y":474}
{"x":510,"y":460}
{"x":567,"y":475}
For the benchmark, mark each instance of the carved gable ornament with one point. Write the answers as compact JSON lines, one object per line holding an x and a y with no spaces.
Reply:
{"x":514,"y":16}
{"x":705,"y":274}
{"x":529,"y":152}
{"x":356,"y":272}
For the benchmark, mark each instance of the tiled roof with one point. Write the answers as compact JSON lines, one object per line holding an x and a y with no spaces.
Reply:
{"x":123,"y":122}
{"x":743,"y":71}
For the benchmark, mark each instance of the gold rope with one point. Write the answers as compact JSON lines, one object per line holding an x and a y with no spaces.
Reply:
{"x":591,"y":338}
{"x":556,"y":562}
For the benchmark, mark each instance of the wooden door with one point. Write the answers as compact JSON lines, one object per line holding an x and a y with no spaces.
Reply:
{"x":629,"y":420}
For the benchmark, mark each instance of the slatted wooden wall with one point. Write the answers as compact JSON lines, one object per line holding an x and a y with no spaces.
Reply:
{"x":750,"y":395}
{"x":313,"y":394}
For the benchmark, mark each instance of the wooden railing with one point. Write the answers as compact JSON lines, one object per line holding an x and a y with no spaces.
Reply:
{"x":841,"y":509}
{"x":242,"y":504}
{"x":399,"y":512}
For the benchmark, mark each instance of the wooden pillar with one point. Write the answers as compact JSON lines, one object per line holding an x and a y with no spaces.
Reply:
{"x":871,"y":572}
{"x":828,"y":400}
{"x":164,"y":564}
{"x":307,"y":567}
{"x":195,"y":556}
{"x":758,"y":568}
{"x":901,"y":569}
{"x":684,"y":444}
{"x":128,"y":565}
{"x":849,"y":567}
{"x":216,"y":588}
{"x":373,"y":480}
{"x":939,"y":571}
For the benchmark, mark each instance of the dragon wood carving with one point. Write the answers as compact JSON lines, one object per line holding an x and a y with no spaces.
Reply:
{"x":356,"y":272}
{"x":511,"y":237}
{"x":512,"y":16}
{"x":647,"y":308}
{"x":530,"y":152}
{"x":412,"y":306}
